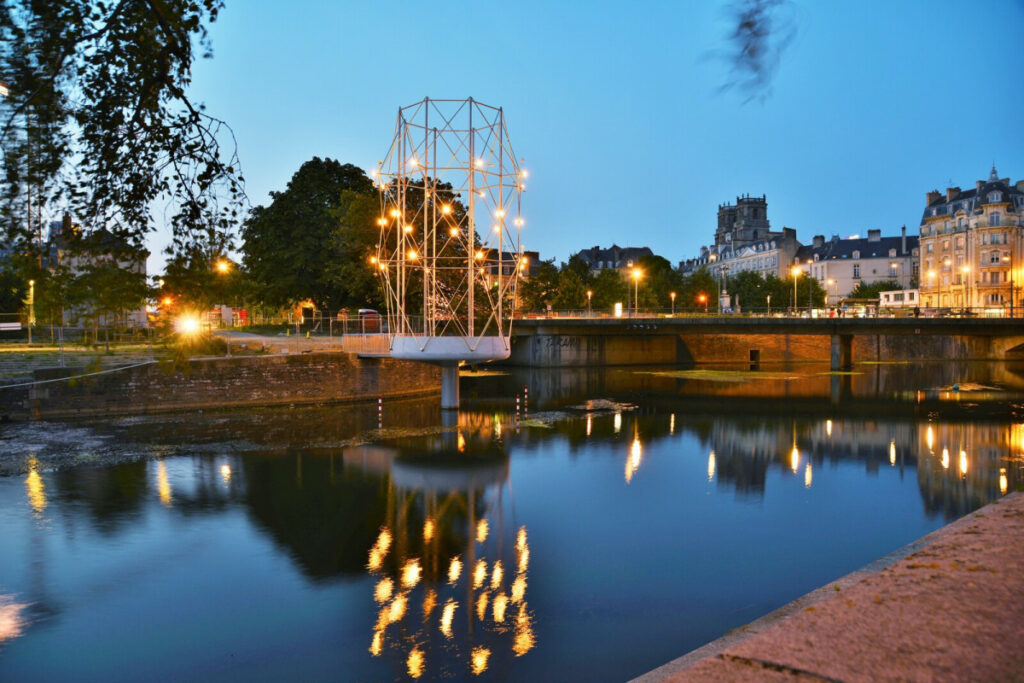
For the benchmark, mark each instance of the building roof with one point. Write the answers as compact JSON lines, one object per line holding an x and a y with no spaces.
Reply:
{"x":866,"y":248}
{"x":972,"y":200}
{"x":614,"y":254}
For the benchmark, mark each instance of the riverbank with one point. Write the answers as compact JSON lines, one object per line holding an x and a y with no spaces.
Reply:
{"x":945,"y":607}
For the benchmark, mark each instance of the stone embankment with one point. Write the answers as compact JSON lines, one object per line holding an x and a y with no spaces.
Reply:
{"x":227,"y":382}
{"x":947,"y":607}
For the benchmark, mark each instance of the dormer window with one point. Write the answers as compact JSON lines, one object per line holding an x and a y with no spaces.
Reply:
{"x":856,"y":254}
{"x":995,"y":196}
{"x":892,"y":253}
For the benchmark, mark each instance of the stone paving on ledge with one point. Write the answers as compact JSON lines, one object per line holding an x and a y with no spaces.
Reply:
{"x":951,"y":609}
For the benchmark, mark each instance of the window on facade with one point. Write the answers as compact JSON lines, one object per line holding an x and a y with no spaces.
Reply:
{"x":945,"y":245}
{"x":995,"y":196}
{"x":995,"y":278}
{"x":929,"y":248}
{"x":856,"y":271}
{"x":947,"y":226}
{"x":993,"y":219}
{"x":856,"y":254}
{"x":994,"y":257}
{"x":916,"y":269}
{"x":959,"y":242}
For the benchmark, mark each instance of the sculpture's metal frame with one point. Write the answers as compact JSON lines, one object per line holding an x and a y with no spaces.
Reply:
{"x":432,"y":256}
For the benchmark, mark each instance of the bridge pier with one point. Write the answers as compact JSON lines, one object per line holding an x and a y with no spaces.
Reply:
{"x":450,"y":386}
{"x":842,"y":352}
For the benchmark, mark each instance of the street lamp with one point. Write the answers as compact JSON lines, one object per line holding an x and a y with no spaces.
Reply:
{"x":702,"y":298}
{"x":894,"y":266}
{"x":769,"y":305}
{"x":223,"y":266}
{"x":931,"y":276}
{"x":796,"y":274}
{"x":636,"y":290}
{"x":1009,"y":259}
{"x":967,"y":293}
{"x":672,"y":295}
{"x":590,"y":294}
{"x":948,"y":263}
{"x":832,"y":283}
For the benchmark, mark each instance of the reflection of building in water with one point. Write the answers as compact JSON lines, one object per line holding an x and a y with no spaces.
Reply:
{"x":960,"y":467}
{"x":744,"y":451}
{"x":451,"y":574}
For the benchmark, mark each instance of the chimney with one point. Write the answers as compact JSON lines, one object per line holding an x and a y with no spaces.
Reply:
{"x":979,"y":184}
{"x":934,"y":196}
{"x":954,"y":192}
{"x":903,"y":235}
{"x":788,"y":233}
{"x":874,"y":235}
{"x":818,"y":241}
{"x":1004,"y":181}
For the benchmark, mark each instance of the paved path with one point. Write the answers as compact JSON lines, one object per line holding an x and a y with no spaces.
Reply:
{"x":949,"y":607}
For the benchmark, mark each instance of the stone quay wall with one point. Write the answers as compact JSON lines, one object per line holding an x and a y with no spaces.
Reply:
{"x":581,"y":350}
{"x":243,"y":381}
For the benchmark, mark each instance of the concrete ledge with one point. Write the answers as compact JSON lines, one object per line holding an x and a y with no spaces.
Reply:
{"x":946,"y":606}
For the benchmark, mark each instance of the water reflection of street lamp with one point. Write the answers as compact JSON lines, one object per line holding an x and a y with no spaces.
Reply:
{"x":31,"y":308}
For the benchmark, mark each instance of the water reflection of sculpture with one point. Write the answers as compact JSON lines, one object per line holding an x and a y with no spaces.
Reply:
{"x":963,"y":466}
{"x":443,"y":547}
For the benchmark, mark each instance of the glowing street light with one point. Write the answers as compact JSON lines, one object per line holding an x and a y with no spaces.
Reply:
{"x":637,"y":274}
{"x":672,"y":295}
{"x":1009,"y":259}
{"x":223,"y":266}
{"x":831,"y":282}
{"x":795,"y":271}
{"x":967,"y":293}
{"x":702,"y":298}
{"x":590,"y":294}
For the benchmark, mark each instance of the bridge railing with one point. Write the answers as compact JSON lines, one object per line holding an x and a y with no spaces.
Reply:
{"x":774,"y":312}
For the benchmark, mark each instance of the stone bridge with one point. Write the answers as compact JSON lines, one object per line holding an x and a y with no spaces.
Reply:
{"x":554,"y":342}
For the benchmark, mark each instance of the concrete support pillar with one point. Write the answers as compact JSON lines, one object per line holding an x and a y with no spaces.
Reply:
{"x":842,"y":351}
{"x":450,"y":386}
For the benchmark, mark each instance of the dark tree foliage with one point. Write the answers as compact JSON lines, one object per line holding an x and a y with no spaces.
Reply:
{"x":541,"y":288}
{"x":98,"y":120}
{"x":289,"y":245}
{"x":874,"y":290}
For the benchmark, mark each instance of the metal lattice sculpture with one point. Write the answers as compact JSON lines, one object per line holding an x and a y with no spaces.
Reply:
{"x":449,"y":253}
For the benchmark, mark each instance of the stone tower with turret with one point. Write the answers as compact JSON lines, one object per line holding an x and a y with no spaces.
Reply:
{"x":744,"y":222}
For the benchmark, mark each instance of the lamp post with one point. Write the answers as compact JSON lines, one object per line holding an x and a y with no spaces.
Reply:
{"x":636,"y":291}
{"x":672,"y":295}
{"x":835,"y":285}
{"x":702,"y":298}
{"x":1010,"y":260}
{"x":966,"y":270}
{"x":931,"y":277}
{"x":948,"y":263}
{"x":590,"y":294}
{"x":796,"y":274}
{"x":769,"y":305}
{"x":893,"y":268}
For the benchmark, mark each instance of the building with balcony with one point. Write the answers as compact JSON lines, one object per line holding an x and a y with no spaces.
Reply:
{"x":840,"y":265}
{"x":971,"y":246}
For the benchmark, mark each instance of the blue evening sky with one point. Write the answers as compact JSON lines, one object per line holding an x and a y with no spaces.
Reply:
{"x":616,"y":108}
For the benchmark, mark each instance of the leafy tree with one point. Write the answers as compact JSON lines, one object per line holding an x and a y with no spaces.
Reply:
{"x":286,"y":245}
{"x":659,"y":280}
{"x":353,"y":243}
{"x":693,"y":286}
{"x":571,"y":291}
{"x":609,"y":288}
{"x":873,"y":290}
{"x":541,"y":288}
{"x":98,"y":118}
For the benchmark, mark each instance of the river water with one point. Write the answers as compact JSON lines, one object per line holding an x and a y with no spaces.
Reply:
{"x":566,"y":525}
